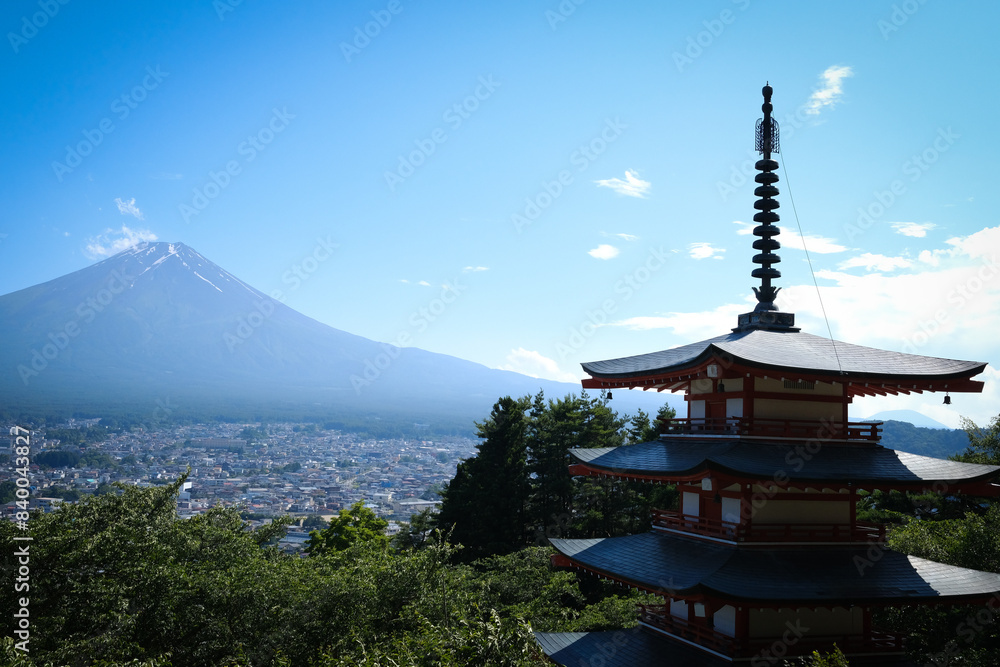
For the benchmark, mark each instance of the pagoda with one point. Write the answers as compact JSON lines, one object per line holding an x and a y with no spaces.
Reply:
{"x":765,"y":557}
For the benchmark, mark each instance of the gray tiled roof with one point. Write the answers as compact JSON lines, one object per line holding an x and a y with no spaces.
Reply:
{"x":761,"y":460}
{"x":789,"y":351}
{"x":644,"y":648}
{"x":670,"y":564}
{"x":625,"y":648}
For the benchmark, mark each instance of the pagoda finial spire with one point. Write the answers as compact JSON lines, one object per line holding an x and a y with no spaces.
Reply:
{"x":765,"y":315}
{"x":767,"y":143}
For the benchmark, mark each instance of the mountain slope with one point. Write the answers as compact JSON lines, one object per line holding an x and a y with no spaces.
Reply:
{"x":159,"y":324}
{"x":935,"y":442}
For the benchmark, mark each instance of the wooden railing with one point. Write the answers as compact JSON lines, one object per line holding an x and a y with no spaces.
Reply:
{"x":785,"y":532}
{"x":775,"y":428}
{"x":698,"y":524}
{"x":878,"y":642}
{"x":659,"y":617}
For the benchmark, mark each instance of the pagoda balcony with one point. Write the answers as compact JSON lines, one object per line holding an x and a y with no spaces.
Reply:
{"x":659,"y":618}
{"x":753,"y":427}
{"x":859,"y":532}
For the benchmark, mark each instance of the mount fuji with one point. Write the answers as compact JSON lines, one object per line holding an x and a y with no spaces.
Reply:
{"x":158,"y":330}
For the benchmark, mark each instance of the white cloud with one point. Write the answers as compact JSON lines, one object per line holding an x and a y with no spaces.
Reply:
{"x":475,"y":269}
{"x":424,"y":283}
{"x":690,"y":327}
{"x":624,"y":237}
{"x":875,"y":262}
{"x":950,"y":310}
{"x":915,"y":229}
{"x":930,"y":257}
{"x":404,"y":280}
{"x":632,"y":186}
{"x":982,"y":243}
{"x":830,"y":93}
{"x":112,"y":241}
{"x":790,"y":238}
{"x":604,"y":251}
{"x":128,"y":207}
{"x":536,"y":365}
{"x":705,"y":251}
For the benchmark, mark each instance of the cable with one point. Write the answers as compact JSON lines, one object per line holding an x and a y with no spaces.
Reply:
{"x":829,"y":330}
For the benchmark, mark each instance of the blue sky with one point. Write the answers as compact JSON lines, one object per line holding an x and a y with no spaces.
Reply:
{"x":527,"y":185}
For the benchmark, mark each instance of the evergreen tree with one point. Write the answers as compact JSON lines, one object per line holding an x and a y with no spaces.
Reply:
{"x":485,"y":502}
{"x":984,"y":443}
{"x":643,"y":429}
{"x":556,"y":428}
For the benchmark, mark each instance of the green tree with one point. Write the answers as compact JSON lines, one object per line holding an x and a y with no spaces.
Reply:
{"x":252,"y":434}
{"x":984,"y":443}
{"x":834,"y":658}
{"x":311,"y":521}
{"x":350,"y":526}
{"x":484,"y":504}
{"x":972,"y":542}
{"x":643,"y":429}
{"x":414,"y":534}
{"x":555,"y":429}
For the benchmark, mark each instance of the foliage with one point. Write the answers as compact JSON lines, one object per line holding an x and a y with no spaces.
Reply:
{"x":484,"y":504}
{"x":518,"y":490}
{"x":78,"y":437}
{"x":57,"y":458}
{"x":8,"y":491}
{"x":984,"y":442}
{"x":96,"y":459}
{"x":70,"y":495}
{"x":943,"y":635}
{"x":972,"y":542}
{"x":936,"y":442}
{"x":119,"y":579}
{"x":414,"y":534}
{"x":311,"y":521}
{"x":834,"y":658}
{"x":252,"y":434}
{"x":642,"y":429}
{"x":358,"y":524}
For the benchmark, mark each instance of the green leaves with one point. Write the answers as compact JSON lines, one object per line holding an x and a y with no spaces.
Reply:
{"x":351,"y":526}
{"x":984,"y":443}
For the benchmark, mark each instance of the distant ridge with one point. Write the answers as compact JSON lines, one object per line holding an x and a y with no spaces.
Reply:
{"x":911,"y":416}
{"x":160,"y":330}
{"x":937,"y":442}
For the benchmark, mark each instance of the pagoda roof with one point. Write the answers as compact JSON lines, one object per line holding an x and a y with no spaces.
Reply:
{"x":678,"y":566}
{"x":788,"y":352}
{"x":622,"y":647}
{"x":635,"y":647}
{"x":861,"y":465}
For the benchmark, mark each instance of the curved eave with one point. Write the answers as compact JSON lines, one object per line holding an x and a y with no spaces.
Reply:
{"x":682,"y":568}
{"x":830,"y":466}
{"x":984,"y":487}
{"x":921,"y":373}
{"x":622,"y":648}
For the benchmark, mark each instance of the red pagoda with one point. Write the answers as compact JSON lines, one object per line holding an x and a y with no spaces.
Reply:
{"x":765,"y":558}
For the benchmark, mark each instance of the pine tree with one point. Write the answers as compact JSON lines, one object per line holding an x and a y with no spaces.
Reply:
{"x":484,"y":504}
